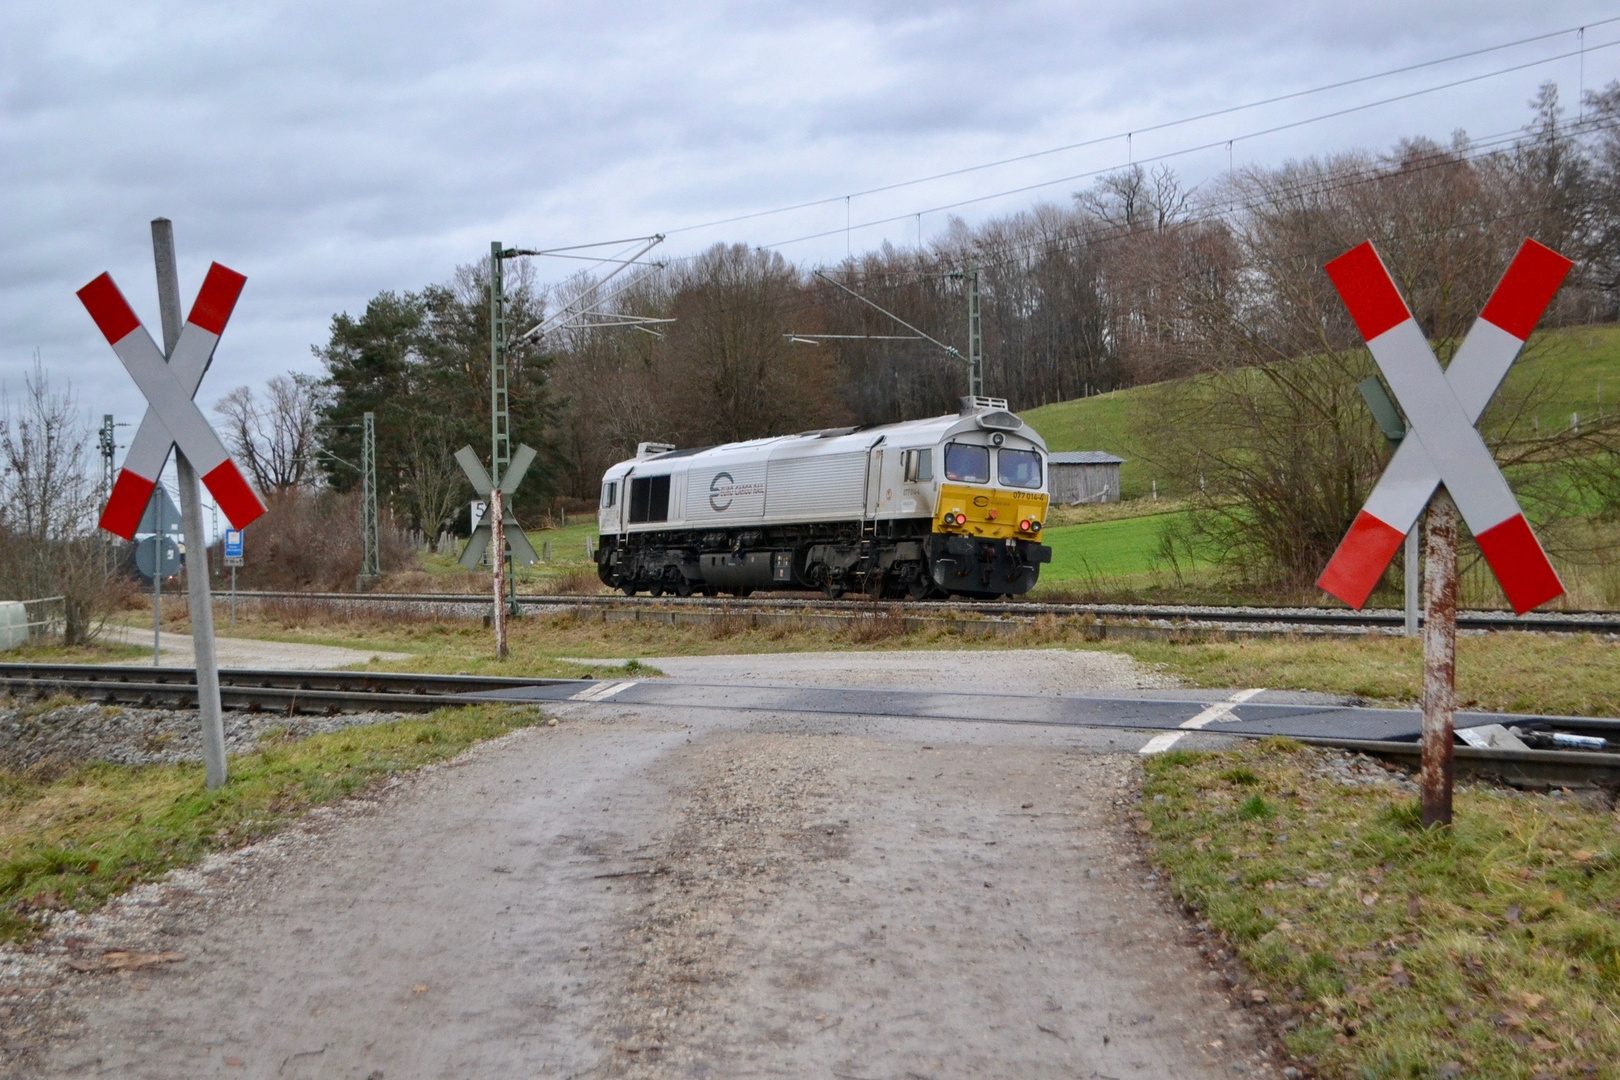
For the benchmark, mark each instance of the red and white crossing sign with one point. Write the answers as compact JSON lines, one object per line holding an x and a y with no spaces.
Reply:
{"x":1442,"y":407}
{"x":172,"y":417}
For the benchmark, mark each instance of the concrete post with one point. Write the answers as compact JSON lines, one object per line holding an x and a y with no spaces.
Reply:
{"x":197,"y":586}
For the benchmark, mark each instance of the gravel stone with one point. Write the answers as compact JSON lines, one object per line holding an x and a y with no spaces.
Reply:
{"x":73,"y":734}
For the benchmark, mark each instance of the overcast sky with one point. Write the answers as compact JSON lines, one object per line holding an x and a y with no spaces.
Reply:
{"x":333,"y":150}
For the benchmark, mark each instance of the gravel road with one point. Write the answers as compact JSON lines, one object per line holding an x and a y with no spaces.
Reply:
{"x":688,"y":893}
{"x":177,"y":650}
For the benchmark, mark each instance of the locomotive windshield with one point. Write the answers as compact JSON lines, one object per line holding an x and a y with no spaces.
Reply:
{"x":968,"y":464}
{"x":1019,"y":468}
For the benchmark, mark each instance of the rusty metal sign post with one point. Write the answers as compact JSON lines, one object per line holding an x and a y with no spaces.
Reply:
{"x":497,"y":532}
{"x":1443,"y":448}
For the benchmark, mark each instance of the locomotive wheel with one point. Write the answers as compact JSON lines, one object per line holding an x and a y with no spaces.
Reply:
{"x":682,"y":587}
{"x":628,"y":588}
{"x":657,"y":588}
{"x":832,"y":590}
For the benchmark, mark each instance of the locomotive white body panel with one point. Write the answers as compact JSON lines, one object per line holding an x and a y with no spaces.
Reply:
{"x":792,"y":506}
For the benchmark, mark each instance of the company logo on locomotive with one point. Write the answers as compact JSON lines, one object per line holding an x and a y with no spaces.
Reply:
{"x":724,"y":489}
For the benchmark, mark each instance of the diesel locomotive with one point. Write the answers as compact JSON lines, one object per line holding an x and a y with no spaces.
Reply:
{"x":949,"y":506}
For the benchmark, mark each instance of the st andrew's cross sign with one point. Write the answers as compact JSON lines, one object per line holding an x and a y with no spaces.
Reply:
{"x":512,"y":533}
{"x":1442,"y":407}
{"x":172,"y":417}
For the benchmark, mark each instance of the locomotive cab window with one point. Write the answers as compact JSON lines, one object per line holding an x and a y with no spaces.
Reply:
{"x":919,"y":465}
{"x":967,"y":464}
{"x":1018,"y":468}
{"x":610,"y":493}
{"x":649,"y":499}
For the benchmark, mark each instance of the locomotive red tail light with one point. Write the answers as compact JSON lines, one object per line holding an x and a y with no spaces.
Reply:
{"x":1023,"y":526}
{"x":957,"y":518}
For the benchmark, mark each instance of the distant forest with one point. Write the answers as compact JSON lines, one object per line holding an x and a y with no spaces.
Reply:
{"x":1137,"y":279}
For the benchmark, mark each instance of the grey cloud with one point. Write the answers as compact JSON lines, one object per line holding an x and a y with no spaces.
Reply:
{"x":333,"y":150}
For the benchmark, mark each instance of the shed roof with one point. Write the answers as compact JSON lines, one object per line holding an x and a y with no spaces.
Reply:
{"x":1085,"y":457}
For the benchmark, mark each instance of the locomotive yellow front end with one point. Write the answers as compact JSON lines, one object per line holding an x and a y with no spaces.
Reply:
{"x":994,"y":514}
{"x":990,"y":510}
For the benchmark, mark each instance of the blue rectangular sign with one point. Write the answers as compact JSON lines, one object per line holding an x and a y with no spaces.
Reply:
{"x":233,"y":543}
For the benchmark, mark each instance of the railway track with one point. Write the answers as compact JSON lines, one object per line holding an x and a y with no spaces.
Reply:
{"x":1192,"y":615}
{"x":258,"y":690}
{"x":365,"y":691}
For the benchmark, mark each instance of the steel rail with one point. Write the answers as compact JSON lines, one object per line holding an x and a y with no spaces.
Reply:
{"x":1596,"y":622}
{"x":255,"y":689}
{"x":1518,"y":767}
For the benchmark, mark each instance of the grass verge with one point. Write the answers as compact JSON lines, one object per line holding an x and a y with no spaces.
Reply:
{"x":1562,"y":674}
{"x":1491,"y":949}
{"x":97,"y":652}
{"x":74,"y":840}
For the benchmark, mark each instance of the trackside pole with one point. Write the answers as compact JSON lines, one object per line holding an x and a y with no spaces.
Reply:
{"x":1411,"y":582}
{"x":1439,"y":660}
{"x":197,"y":588}
{"x":497,"y":559}
{"x":157,"y":574}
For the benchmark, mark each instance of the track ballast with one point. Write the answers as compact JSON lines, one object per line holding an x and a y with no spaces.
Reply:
{"x":1191,"y":615}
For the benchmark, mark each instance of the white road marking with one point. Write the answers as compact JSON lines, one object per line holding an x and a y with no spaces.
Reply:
{"x":603,"y":691}
{"x":1218,"y":711}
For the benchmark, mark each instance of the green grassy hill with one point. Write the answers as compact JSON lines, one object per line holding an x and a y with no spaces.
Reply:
{"x":1574,"y":370}
{"x":1105,"y":422}
{"x":1569,"y":371}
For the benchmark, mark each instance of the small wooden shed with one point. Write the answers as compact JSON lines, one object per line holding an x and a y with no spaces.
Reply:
{"x":1088,"y":476}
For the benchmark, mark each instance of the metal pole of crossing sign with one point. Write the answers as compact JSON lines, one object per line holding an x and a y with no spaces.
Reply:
{"x":157,"y":573}
{"x":1439,"y":661}
{"x":1411,"y":579}
{"x":497,"y":560}
{"x":197,"y":586}
{"x":1390,"y":423}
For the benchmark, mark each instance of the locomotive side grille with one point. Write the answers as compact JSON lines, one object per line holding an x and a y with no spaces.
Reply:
{"x":827,"y":486}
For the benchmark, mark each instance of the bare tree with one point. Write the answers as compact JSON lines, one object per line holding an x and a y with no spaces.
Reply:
{"x":275,"y":436}
{"x":431,"y":481}
{"x":48,"y":505}
{"x":1279,"y":451}
{"x":739,"y":376}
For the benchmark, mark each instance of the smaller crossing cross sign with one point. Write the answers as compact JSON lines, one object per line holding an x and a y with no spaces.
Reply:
{"x":172,"y":417}
{"x":478,"y":477}
{"x":1442,"y":407}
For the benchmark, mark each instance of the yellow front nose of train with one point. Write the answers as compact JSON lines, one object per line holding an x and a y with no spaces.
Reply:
{"x":990,"y":512}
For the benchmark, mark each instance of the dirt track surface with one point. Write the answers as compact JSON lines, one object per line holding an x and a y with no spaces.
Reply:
{"x":683,"y":893}
{"x":178,"y":650}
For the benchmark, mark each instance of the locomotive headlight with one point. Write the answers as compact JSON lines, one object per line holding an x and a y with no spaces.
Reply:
{"x":1034,"y":526}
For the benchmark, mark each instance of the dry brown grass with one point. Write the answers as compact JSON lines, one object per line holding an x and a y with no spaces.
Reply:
{"x":578,"y":581}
